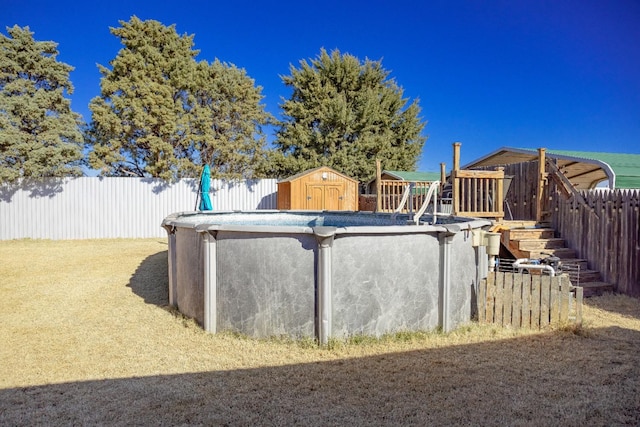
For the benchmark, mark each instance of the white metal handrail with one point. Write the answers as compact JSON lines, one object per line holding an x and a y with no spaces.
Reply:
{"x":431,"y":194}
{"x":403,"y":201}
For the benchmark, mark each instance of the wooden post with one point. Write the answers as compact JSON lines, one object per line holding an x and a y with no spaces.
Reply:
{"x":541,"y":181}
{"x":378,"y":185}
{"x":443,"y":177}
{"x":500,"y":196}
{"x":455,"y":188}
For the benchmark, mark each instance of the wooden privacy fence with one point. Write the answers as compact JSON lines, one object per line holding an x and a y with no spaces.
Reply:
{"x":603,"y":226}
{"x":528,"y":301}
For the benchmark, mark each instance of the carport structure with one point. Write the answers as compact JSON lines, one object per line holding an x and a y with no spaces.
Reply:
{"x":585,"y":170}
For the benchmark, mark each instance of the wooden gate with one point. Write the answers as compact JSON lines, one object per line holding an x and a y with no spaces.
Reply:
{"x":528,"y":300}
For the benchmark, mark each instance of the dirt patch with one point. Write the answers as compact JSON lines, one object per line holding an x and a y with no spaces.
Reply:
{"x":87,"y":338}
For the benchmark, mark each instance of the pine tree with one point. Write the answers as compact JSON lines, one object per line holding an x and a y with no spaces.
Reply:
{"x":226,"y":119}
{"x":39,"y":133}
{"x":162,"y":114}
{"x":345,"y":114}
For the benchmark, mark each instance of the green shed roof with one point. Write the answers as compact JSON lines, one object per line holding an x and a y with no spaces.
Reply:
{"x":583,"y":168}
{"x":414,"y":176}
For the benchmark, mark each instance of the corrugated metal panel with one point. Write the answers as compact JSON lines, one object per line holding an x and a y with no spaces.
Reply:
{"x":244,"y":195}
{"x":93,"y":208}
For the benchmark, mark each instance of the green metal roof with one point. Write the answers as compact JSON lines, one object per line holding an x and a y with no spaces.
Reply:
{"x":584,"y":169}
{"x":625,"y":166}
{"x":414,"y":176}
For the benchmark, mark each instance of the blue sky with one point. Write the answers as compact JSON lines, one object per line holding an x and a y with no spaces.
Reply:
{"x":562,"y":74}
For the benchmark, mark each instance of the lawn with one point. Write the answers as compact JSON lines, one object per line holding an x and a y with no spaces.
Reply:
{"x":87,"y":338}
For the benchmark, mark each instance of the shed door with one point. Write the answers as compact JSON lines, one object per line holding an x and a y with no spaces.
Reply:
{"x":325,"y":196}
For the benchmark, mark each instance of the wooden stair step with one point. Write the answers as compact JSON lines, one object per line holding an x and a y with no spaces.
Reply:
{"x":590,"y":289}
{"x":580,"y":276}
{"x":535,"y":244}
{"x":529,"y":233}
{"x":543,"y":253}
{"x":575,"y":263}
{"x":538,"y":241}
{"x":518,"y":223}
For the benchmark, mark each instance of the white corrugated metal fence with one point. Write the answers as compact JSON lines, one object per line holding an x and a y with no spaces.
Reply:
{"x":94,"y":208}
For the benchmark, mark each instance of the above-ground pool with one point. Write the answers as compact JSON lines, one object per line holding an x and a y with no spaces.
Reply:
{"x":322,"y":274}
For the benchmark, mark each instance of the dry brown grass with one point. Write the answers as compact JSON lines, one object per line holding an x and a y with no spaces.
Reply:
{"x":86,"y":339}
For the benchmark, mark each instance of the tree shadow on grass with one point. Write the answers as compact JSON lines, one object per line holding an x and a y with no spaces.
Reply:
{"x":150,"y":281}
{"x":549,"y":379}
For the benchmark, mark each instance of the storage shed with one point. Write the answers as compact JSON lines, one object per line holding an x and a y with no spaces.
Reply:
{"x":321,"y":188}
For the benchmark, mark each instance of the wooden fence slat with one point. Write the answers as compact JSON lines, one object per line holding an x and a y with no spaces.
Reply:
{"x":499,"y":299}
{"x":554,"y":300}
{"x":579,"y":296}
{"x":565,"y":296}
{"x":490,"y":299}
{"x":535,"y":300}
{"x":507,"y":305}
{"x":516,"y":312}
{"x":526,"y":301}
{"x":480,"y":301}
{"x":545,"y":290}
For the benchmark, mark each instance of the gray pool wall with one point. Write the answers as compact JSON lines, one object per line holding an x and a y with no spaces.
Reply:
{"x":322,"y":281}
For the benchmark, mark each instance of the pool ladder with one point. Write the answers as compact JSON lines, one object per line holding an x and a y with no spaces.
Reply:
{"x":432,"y":195}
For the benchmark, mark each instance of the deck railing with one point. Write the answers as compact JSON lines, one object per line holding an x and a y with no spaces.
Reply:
{"x":391,"y":192}
{"x":470,"y":193}
{"x":478,"y":193}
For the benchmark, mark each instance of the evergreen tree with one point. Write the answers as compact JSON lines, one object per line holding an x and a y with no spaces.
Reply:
{"x":39,"y":134}
{"x":226,"y":119}
{"x":345,"y":114}
{"x":162,"y":114}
